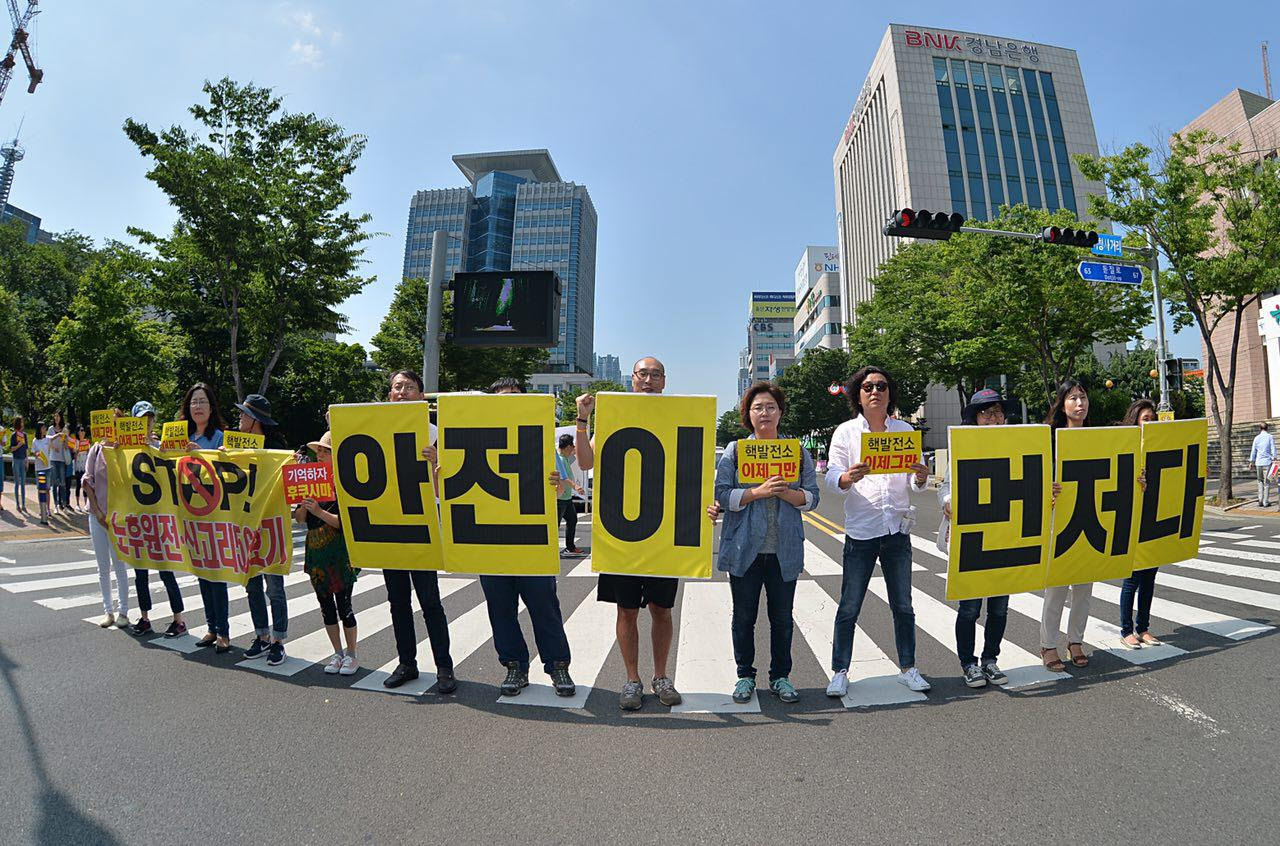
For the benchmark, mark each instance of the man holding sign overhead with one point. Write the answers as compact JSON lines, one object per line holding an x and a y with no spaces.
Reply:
{"x":877,"y":523}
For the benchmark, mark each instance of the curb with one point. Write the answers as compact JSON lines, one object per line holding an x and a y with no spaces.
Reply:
{"x":62,"y":528}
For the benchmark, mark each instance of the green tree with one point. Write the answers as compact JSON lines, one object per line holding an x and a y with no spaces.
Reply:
{"x":1213,"y":214}
{"x":398,"y":345}
{"x":811,"y":407}
{"x":315,"y":373}
{"x":567,"y":401}
{"x":729,"y":427}
{"x":259,"y":194}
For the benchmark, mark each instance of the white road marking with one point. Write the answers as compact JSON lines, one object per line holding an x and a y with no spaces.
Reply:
{"x":1244,"y":554}
{"x":1224,"y":535}
{"x":1102,"y":635}
{"x":1260,"y":544}
{"x":590,"y":631}
{"x":705,"y":672}
{"x":818,"y":563}
{"x":1230,"y":570}
{"x":1188,"y":615}
{"x":36,"y":569}
{"x":1231,"y":593}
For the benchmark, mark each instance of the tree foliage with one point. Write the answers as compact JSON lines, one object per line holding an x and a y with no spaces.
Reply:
{"x":567,"y":401}
{"x":811,"y":408}
{"x":729,"y":428}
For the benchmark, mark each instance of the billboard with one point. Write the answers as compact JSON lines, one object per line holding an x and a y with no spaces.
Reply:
{"x":508,"y":308}
{"x":814,"y":262}
{"x":774,"y":305}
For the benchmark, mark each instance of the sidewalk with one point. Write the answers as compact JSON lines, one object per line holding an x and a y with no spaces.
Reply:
{"x":17,"y":526}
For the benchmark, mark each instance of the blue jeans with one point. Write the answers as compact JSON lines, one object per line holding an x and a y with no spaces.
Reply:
{"x":966,"y":632}
{"x":502,"y":594}
{"x":58,"y":481}
{"x":216,"y":607}
{"x":894,"y":552}
{"x":20,"y":483}
{"x":258,"y":606}
{"x":1142,"y":583}
{"x":780,"y":596}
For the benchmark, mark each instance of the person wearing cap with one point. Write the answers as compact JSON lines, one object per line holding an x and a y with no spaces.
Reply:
{"x":255,"y":419}
{"x":95,"y":481}
{"x":985,"y":408}
{"x":329,"y":566}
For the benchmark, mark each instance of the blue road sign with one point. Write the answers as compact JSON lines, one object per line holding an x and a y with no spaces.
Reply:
{"x":1101,"y":271}
{"x":1108,"y":245}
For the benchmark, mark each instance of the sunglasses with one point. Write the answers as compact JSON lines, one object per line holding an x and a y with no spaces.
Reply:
{"x":868,"y":387}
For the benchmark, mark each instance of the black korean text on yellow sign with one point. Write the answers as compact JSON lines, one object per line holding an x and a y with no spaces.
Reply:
{"x":131,"y":432}
{"x":1000,"y":517}
{"x":498,"y":511}
{"x":1174,"y":456}
{"x":1095,"y":517}
{"x":653,"y":483}
{"x":173,"y":437}
{"x":891,"y":452}
{"x":761,"y":460}
{"x":385,"y":496}
{"x":242,"y":440}
{"x":102,"y":424}
{"x":221,"y":517}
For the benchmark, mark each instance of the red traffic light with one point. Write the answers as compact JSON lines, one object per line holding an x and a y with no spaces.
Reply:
{"x":935,"y":226}
{"x":1069,"y":237}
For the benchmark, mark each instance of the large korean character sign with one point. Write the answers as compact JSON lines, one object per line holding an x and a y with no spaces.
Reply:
{"x":1095,"y":518}
{"x":1000,"y":515}
{"x":385,"y":495}
{"x":1174,"y":456}
{"x":498,"y":511}
{"x":654,"y":479}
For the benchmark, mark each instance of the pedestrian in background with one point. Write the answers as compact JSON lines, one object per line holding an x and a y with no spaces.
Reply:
{"x":58,"y":457}
{"x":1261,"y":454}
{"x":565,"y":489}
{"x":18,"y":452}
{"x":40,"y":455}
{"x":79,"y":463}
{"x":1141,"y":583}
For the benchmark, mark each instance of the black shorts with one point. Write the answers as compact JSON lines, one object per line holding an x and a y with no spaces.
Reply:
{"x":637,"y":591}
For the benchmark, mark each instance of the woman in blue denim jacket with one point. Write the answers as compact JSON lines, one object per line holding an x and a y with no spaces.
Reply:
{"x":762,"y":545}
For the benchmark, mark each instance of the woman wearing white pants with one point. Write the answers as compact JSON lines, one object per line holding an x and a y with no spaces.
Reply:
{"x":1070,"y":409}
{"x":95,"y":483}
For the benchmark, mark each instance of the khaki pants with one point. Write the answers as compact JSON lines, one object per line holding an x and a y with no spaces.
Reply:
{"x":1264,"y":486}
{"x":1051,"y":618}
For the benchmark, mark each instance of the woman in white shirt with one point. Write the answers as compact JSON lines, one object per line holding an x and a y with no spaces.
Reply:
{"x":40,"y":453}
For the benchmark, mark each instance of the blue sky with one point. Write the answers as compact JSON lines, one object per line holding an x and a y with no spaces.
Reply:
{"x":704,"y":131}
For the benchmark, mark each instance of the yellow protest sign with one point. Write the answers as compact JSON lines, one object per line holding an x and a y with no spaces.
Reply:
{"x":1174,"y":457}
{"x":1164,"y":416}
{"x":653,"y":482}
{"x":102,"y":426}
{"x":221,"y":517}
{"x":498,"y":511}
{"x":173,"y":437}
{"x":1000,"y":516}
{"x":1095,"y":518}
{"x":131,"y":432}
{"x":385,"y":494}
{"x":891,"y":452}
{"x":761,"y":460}
{"x":242,"y":440}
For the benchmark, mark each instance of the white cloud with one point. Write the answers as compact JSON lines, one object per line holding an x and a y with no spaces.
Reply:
{"x":306,"y":54}
{"x":308,"y":36}
{"x":306,"y":22}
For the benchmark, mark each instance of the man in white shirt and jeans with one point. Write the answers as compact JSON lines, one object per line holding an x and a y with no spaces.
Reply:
{"x":1261,"y":454}
{"x":877,"y":524}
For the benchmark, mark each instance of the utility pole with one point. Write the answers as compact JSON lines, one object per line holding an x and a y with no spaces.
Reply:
{"x":435,"y":308}
{"x":1157,"y":304}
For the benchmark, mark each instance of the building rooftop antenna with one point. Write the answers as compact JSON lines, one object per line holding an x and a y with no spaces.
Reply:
{"x":1266,"y":70}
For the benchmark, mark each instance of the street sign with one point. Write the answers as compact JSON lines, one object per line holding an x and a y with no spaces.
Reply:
{"x":1101,"y":271}
{"x":1164,"y":416}
{"x":1108,"y":245}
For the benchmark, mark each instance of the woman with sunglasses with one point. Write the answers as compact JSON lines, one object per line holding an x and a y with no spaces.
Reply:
{"x":877,"y":524}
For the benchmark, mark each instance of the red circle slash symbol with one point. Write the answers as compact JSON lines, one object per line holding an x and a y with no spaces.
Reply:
{"x":190,"y":481}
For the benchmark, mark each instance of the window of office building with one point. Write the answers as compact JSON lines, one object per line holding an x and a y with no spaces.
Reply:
{"x":950,"y":137}
{"x":1048,"y":179}
{"x":1013,"y":82}
{"x":990,"y":153}
{"x":969,"y":139}
{"x":1059,"y":141}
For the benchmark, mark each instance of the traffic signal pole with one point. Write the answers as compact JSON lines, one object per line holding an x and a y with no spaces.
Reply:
{"x":435,"y":309}
{"x":1157,"y":305}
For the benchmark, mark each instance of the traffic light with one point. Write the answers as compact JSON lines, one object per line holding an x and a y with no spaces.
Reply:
{"x":1173,"y":368}
{"x":1069,"y":237}
{"x":936,"y":226}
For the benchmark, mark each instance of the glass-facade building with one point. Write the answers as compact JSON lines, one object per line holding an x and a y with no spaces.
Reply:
{"x":518,"y":214}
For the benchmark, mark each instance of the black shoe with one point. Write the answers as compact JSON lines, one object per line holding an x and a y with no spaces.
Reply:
{"x":257,"y":649}
{"x":401,"y":674}
{"x":445,"y":681}
{"x":206,"y":641}
{"x":275,"y":654}
{"x":140,"y":628}
{"x":222,"y":650}
{"x":175,"y":629}
{"x":515,"y":680}
{"x":560,"y":679}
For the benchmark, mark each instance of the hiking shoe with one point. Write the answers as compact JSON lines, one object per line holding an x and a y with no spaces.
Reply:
{"x":632,"y":696}
{"x":275,"y":654}
{"x":560,"y":679}
{"x":784,"y":690}
{"x":175,"y":629}
{"x":257,"y":649}
{"x":839,"y":684}
{"x":666,"y":691}
{"x":974,"y":677}
{"x":140,"y":628}
{"x":744,"y":690}
{"x":994,"y":674}
{"x":912,"y":679}
{"x":516,"y":680}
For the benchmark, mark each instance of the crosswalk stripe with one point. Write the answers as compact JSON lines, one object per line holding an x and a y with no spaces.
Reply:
{"x":1227,"y":552}
{"x":466,"y":634}
{"x":1231,"y":593}
{"x":1243,"y":572}
{"x":1103,"y":636}
{"x":4,"y":560}
{"x":1187,"y":615}
{"x":1225,"y":535}
{"x":36,"y":569}
{"x":873,"y":677}
{"x":818,"y":563}
{"x":938,"y":620}
{"x":705,"y":671}
{"x":194,"y":601}
{"x":1261,"y":544}
{"x":590,"y":631}
{"x":50,"y":584}
{"x":583,"y":568}
{"x":60,"y":603}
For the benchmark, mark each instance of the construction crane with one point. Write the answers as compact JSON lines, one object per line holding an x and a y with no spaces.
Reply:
{"x":20,"y":44}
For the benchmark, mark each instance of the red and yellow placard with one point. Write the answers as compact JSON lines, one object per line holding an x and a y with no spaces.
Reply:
{"x":131,"y":432}
{"x":313,"y":480}
{"x":891,"y":452}
{"x":173,"y":437}
{"x":761,"y":460}
{"x":102,"y":425}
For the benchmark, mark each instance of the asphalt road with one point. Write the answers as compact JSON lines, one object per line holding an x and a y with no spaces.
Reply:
{"x":112,"y":740}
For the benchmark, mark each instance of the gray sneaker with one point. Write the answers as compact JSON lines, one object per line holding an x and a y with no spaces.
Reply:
{"x":666,"y":691}
{"x":632,"y":696}
{"x":973,"y":676}
{"x":994,"y":674}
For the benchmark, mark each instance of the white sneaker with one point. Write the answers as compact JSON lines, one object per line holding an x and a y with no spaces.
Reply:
{"x":912,"y":679}
{"x":335,"y":664}
{"x":839,"y":684}
{"x":122,"y":622}
{"x":349,"y":665}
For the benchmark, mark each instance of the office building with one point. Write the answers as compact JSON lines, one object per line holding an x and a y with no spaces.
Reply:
{"x":770,"y":337}
{"x":818,"y":319}
{"x":744,"y":369}
{"x":608,"y":368}
{"x":517,"y":213}
{"x":955,"y":121}
{"x":35,"y":235}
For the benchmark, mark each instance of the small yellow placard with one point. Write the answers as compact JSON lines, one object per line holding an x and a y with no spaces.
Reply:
{"x":102,"y":424}
{"x":242,"y":440}
{"x":891,"y":452}
{"x":131,"y":432}
{"x":761,"y":460}
{"x":173,"y":437}
{"x":1164,"y":416}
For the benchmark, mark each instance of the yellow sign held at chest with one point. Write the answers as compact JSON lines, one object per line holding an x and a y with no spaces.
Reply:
{"x":242,"y":440}
{"x":761,"y":460}
{"x":131,"y":432}
{"x":891,"y":452}
{"x":102,"y":425}
{"x":1174,"y":459}
{"x":173,"y":437}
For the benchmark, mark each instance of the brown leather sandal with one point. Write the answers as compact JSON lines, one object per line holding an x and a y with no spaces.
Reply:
{"x":1080,"y":660}
{"x":1055,"y":665}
